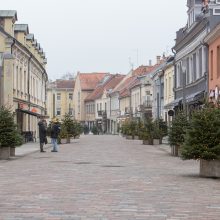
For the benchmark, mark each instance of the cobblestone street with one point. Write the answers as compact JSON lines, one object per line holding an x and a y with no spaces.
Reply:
{"x":106,"y":178}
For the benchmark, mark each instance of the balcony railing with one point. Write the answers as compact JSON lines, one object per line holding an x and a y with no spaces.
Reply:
{"x":148,"y":104}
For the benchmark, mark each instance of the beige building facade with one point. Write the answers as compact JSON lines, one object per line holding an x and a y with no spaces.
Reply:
{"x":23,"y":75}
{"x":85,"y":84}
{"x":168,"y":91}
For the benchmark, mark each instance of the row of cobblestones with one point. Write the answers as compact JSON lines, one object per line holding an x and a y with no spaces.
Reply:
{"x":106,"y":178}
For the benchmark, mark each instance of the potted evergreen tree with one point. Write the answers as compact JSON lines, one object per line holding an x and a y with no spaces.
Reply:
{"x":176,"y":132}
{"x":160,"y":131}
{"x":77,"y":129}
{"x":94,"y":130}
{"x":131,"y":130}
{"x":63,"y":135}
{"x":9,"y":135}
{"x":202,"y":141}
{"x":67,"y":127}
{"x":139,"y":126}
{"x":147,"y":132}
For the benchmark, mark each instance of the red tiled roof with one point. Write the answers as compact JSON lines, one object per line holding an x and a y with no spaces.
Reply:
{"x":124,"y":84}
{"x":65,"y":84}
{"x":128,"y":84}
{"x":62,"y":84}
{"x":109,"y":84}
{"x":89,"y":81}
{"x":141,"y":70}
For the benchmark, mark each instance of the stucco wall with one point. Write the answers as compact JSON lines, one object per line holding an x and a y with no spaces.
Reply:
{"x":216,"y":79}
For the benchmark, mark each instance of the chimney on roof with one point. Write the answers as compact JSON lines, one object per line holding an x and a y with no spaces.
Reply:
{"x":150,"y":62}
{"x":158,"y":59}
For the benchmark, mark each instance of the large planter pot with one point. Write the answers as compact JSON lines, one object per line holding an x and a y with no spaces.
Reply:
{"x":12,"y":151}
{"x":128,"y":137}
{"x":147,"y":142}
{"x":210,"y":168}
{"x":68,"y":140}
{"x":4,"y":153}
{"x":136,"y":138}
{"x":63,"y":140}
{"x":175,"y":151}
{"x":156,"y":141}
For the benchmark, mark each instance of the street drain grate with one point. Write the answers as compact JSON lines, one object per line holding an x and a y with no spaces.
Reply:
{"x":82,"y":163}
{"x":112,"y":166}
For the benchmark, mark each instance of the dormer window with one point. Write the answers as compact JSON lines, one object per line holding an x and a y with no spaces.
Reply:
{"x":191,"y":18}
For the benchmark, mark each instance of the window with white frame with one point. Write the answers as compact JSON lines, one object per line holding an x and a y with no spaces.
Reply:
{"x":58,"y":96}
{"x":70,"y":111}
{"x":70,"y":96}
{"x":58,"y":111}
{"x":178,"y":76}
{"x":200,"y":62}
{"x":187,"y":71}
{"x":194,"y":67}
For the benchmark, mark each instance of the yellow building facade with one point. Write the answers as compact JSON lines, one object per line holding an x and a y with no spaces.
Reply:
{"x":60,"y":98}
{"x":23,"y":75}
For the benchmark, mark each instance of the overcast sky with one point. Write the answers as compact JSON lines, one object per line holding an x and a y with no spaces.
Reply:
{"x":100,"y":35}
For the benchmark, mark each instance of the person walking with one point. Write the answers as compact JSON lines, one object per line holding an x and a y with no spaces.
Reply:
{"x":42,"y":134}
{"x":55,"y":130}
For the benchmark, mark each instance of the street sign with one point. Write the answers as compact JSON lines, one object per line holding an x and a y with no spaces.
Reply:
{"x":171,"y":113}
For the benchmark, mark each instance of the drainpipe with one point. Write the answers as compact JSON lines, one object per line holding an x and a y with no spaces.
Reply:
{"x":45,"y":95}
{"x":140,"y":104}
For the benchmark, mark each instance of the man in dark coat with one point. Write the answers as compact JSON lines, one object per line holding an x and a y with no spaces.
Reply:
{"x":55,"y":130}
{"x":42,"y":134}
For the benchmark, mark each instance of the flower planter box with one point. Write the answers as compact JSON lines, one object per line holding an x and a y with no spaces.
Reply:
{"x":210,"y":168}
{"x":156,"y":141}
{"x":4,"y":153}
{"x":175,"y":151}
{"x":136,"y":138}
{"x":12,"y":151}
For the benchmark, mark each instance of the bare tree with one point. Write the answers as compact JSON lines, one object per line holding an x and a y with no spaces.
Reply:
{"x":68,"y":75}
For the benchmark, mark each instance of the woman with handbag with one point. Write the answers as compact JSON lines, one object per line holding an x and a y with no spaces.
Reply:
{"x":42,"y":134}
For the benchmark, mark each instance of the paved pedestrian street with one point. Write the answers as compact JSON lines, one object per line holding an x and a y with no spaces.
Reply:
{"x":106,"y":178}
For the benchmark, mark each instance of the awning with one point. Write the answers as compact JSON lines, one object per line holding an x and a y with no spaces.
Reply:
{"x":176,"y":102}
{"x":197,"y":96}
{"x":30,"y":112}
